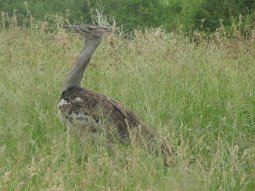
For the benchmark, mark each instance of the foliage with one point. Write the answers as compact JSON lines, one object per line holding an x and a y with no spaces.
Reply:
{"x":41,"y":9}
{"x":215,"y":13}
{"x":185,"y":15}
{"x":135,"y":13}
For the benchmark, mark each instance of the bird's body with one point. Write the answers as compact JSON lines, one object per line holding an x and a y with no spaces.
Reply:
{"x":89,"y":111}
{"x":94,"y":113}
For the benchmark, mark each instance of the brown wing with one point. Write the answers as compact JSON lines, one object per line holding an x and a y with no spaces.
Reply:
{"x":98,"y":106}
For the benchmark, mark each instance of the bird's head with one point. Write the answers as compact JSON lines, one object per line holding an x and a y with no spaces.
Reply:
{"x":89,"y":32}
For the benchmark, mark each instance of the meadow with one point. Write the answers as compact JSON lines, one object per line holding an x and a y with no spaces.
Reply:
{"x":200,"y":96}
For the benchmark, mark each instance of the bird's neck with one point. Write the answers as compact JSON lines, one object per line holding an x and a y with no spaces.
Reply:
{"x":75,"y":75}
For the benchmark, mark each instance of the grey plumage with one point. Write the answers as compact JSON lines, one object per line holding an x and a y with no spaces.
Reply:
{"x":92,"y":36}
{"x":92,"y":112}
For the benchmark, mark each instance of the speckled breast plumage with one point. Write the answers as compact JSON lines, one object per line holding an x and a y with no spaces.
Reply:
{"x":72,"y":114}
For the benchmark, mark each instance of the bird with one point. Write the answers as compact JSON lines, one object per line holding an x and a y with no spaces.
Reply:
{"x":93,"y":113}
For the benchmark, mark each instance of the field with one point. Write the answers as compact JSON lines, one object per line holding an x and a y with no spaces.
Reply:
{"x":199,"y":96}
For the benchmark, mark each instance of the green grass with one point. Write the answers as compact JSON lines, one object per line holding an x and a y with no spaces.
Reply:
{"x":199,"y":96}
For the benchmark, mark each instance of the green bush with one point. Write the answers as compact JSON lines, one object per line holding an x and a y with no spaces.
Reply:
{"x":185,"y":15}
{"x":214,"y":13}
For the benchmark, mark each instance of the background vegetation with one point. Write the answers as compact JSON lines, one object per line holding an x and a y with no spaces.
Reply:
{"x":199,"y":96}
{"x":184,"y":15}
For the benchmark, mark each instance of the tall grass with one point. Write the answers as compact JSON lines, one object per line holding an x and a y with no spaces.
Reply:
{"x":200,"y":97}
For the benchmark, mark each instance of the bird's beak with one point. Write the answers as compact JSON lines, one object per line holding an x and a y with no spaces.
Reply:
{"x":69,"y":26}
{"x":78,"y":28}
{"x":104,"y":29}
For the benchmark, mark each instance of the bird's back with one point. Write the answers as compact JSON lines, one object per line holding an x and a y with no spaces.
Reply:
{"x":87,"y":110}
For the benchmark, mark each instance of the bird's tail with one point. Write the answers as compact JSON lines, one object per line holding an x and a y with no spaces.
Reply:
{"x":167,"y":152}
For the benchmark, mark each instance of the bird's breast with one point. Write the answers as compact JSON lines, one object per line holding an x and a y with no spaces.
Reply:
{"x":75,"y":115}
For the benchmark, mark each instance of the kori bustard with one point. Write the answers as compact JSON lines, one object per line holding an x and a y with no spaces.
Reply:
{"x":94,"y":113}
